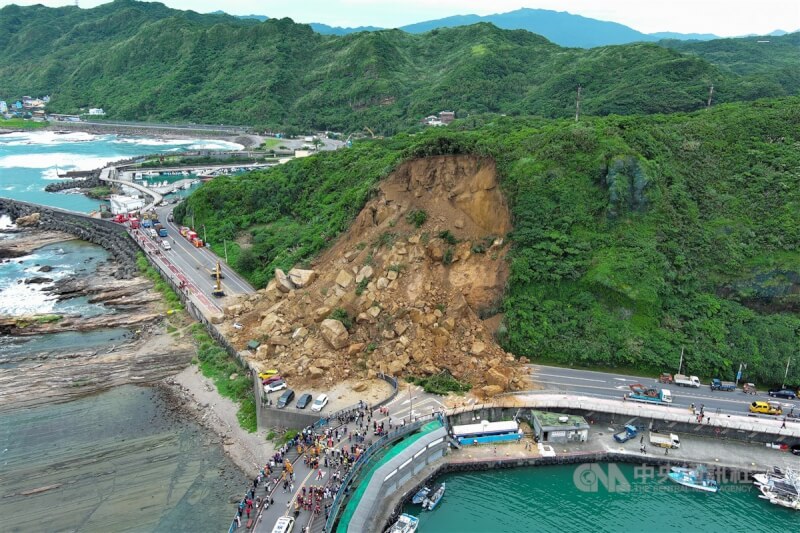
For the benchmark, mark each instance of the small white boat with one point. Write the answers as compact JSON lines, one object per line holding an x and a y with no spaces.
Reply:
{"x":433,"y":500}
{"x":405,"y":524}
{"x":697,"y":478}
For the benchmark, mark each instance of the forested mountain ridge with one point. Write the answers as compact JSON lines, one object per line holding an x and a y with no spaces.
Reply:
{"x":633,"y":238}
{"x":145,"y":61}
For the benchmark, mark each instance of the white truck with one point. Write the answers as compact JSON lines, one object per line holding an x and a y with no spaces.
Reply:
{"x":687,"y":381}
{"x":665,"y":440}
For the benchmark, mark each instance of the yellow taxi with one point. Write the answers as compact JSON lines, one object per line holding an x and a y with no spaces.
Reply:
{"x":264,"y":374}
{"x":767,"y":408}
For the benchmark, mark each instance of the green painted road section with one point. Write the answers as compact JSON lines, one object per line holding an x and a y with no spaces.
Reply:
{"x":398,"y":448}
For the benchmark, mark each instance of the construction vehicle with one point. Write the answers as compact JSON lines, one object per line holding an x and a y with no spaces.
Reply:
{"x":218,"y":292}
{"x":665,"y":377}
{"x":217,"y":272}
{"x":640,"y":393}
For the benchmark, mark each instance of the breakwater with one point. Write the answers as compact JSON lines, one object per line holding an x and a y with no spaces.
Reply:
{"x":88,"y":183}
{"x":235,"y":135}
{"x":109,"y":235}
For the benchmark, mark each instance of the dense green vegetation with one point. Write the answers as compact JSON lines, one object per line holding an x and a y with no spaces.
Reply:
{"x":633,"y":237}
{"x":442,"y":383}
{"x":145,"y":61}
{"x":20,"y":124}
{"x":215,"y":363}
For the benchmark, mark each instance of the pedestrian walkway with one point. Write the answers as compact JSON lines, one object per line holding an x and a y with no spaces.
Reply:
{"x":323,"y":460}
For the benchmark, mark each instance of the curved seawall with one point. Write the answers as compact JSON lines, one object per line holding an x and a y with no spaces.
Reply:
{"x":109,"y":235}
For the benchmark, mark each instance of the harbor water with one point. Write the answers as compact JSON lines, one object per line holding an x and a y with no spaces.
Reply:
{"x":31,"y":160}
{"x":557,"y":499}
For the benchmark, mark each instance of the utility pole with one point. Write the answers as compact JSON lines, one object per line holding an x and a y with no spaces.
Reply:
{"x":742,"y":365}
{"x":205,"y":240}
{"x":578,"y":105}
{"x":411,"y":407}
{"x":710,"y":96}
{"x":786,"y":374}
{"x":681,"y":363}
{"x":225,"y":245}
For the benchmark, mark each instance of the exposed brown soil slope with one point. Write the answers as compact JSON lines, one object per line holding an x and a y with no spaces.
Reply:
{"x":414,"y":298}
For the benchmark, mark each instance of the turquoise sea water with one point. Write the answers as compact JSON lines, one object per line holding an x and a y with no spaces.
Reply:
{"x":31,"y":160}
{"x":547,"y":499}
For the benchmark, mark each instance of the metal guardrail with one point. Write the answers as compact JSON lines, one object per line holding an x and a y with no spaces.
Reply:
{"x":340,"y":496}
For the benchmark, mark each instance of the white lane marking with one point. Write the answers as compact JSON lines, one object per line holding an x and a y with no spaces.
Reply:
{"x":570,"y":377}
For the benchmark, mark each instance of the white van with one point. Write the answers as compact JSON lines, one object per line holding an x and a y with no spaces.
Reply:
{"x":165,"y":245}
{"x":153,"y":234}
{"x":284,"y":525}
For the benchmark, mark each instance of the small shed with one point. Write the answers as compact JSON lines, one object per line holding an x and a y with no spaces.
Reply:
{"x":559,"y":427}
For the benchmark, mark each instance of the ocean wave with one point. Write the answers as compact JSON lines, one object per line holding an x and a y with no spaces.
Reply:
{"x":46,"y":138}
{"x":62,"y":160}
{"x":6,"y":222}
{"x":215,"y":145}
{"x":144,"y":141}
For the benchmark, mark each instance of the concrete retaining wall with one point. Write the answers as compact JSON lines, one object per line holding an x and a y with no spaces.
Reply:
{"x":113,"y":237}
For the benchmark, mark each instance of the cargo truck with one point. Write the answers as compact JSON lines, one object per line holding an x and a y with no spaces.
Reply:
{"x":640,"y":393}
{"x":665,"y":440}
{"x":727,"y":386}
{"x":627,"y":433}
{"x":686,"y":381}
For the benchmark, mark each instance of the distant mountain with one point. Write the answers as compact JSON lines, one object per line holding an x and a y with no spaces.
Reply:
{"x":145,"y":61}
{"x":683,"y":36}
{"x":324,"y":29}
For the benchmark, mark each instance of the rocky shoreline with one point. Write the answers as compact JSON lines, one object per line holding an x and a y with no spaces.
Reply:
{"x":150,"y":352}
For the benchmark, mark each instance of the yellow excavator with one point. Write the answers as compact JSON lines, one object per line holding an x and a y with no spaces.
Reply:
{"x":218,"y":292}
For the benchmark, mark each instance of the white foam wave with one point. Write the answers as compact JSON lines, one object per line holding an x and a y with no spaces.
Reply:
{"x":5,"y":220}
{"x":215,"y":145}
{"x":140,"y":141}
{"x":45,"y":138}
{"x":62,"y":160}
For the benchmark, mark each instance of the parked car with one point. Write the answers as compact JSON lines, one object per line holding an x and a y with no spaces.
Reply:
{"x":267,"y":373}
{"x":285,"y":398}
{"x":783,"y":393}
{"x":271,"y":379}
{"x":796,"y":449}
{"x":303,"y":401}
{"x":320,"y":402}
{"x":275,"y":386}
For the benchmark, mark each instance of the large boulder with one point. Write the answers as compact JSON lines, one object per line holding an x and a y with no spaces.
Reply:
{"x":344,"y":279}
{"x":491,"y":390}
{"x":366,"y":272}
{"x":334,"y":333}
{"x":29,"y":220}
{"x":321,"y":312}
{"x":496,"y":377}
{"x":284,"y":283}
{"x":302,"y":278}
{"x":315,"y":373}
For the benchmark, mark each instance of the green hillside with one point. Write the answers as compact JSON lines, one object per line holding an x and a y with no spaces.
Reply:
{"x":634,"y":236}
{"x":144,"y":61}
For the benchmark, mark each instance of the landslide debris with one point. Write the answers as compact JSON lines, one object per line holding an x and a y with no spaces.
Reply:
{"x":401,"y":292}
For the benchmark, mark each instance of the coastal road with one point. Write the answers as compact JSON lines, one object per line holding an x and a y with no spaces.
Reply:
{"x":197,"y":263}
{"x":613,"y":386}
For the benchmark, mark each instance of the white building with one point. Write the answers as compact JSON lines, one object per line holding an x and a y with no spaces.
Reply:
{"x":121,"y":205}
{"x":97,"y":111}
{"x":3,"y":106}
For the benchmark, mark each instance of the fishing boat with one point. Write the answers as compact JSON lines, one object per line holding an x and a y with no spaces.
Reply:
{"x":776,"y":474}
{"x":419,"y":497}
{"x":696,"y":478}
{"x":783,"y":491}
{"x":405,"y":524}
{"x":433,"y":500}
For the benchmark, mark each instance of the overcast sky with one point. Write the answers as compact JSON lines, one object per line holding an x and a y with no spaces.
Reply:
{"x":721,"y":17}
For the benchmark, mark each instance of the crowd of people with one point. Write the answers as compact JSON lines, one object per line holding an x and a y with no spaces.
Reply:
{"x":325,"y":450}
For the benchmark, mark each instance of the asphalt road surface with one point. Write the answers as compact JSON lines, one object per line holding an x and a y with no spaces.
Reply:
{"x":198,"y":263}
{"x":615,"y":385}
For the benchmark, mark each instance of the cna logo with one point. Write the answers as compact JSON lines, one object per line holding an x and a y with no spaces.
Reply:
{"x":589,"y":477}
